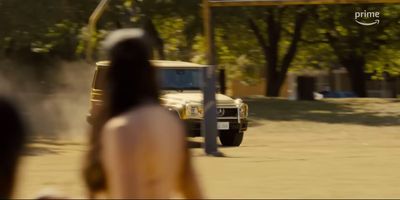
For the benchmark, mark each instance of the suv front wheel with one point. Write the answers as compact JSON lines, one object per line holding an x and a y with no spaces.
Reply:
{"x":231,"y":138}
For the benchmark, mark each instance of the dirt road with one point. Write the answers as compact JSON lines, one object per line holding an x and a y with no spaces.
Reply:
{"x":279,"y":158}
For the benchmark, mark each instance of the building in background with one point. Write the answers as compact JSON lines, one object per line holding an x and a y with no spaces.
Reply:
{"x":336,"y":80}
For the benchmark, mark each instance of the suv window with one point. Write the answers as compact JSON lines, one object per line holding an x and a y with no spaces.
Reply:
{"x":180,"y":79}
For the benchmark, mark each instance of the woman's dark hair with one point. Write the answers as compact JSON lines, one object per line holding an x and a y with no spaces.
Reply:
{"x":12,"y":139}
{"x":130,"y":82}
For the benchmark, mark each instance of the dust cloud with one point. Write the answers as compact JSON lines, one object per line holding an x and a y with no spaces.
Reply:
{"x":55,"y":106}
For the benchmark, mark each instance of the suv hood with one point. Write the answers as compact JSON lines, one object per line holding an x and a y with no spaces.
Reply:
{"x":194,"y":97}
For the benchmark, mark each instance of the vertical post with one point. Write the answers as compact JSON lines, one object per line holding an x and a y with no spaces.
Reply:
{"x":209,"y":126}
{"x":396,"y":87}
{"x":222,"y":81}
{"x":92,"y":28}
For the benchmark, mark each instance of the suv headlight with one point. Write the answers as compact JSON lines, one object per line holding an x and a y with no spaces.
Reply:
{"x":244,"y":110}
{"x":194,"y":111}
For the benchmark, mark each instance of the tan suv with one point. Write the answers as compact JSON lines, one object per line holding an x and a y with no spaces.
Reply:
{"x":181,"y":84}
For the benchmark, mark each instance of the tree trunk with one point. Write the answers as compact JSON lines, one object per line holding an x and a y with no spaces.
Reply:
{"x":276,"y":70}
{"x":273,"y":87}
{"x":351,"y":55}
{"x":156,"y":40}
{"x":355,"y":67}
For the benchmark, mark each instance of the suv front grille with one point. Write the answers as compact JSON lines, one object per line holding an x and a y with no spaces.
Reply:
{"x":227,"y":112}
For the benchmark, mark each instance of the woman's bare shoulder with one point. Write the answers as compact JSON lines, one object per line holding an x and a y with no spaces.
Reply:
{"x":153,"y":114}
{"x":143,"y":119}
{"x":116,"y":124}
{"x":116,"y":131}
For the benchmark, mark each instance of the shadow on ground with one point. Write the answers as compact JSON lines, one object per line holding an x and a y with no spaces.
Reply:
{"x":55,"y":142}
{"x":39,"y":151}
{"x":370,"y":112}
{"x":49,"y":145}
{"x":194,"y":144}
{"x":198,"y":145}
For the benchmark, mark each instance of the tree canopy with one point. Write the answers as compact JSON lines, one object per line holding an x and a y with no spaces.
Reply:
{"x":252,"y":43}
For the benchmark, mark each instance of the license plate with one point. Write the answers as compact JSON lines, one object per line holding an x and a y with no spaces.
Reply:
{"x":223,"y":125}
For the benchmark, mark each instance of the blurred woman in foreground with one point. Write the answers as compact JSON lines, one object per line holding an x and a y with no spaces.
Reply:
{"x":138,"y":148}
{"x":12,"y":139}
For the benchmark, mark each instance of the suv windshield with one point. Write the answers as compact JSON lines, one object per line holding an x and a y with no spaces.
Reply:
{"x":180,"y":79}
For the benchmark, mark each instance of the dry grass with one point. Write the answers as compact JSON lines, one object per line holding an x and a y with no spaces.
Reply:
{"x":335,"y":148}
{"x":368,"y":112}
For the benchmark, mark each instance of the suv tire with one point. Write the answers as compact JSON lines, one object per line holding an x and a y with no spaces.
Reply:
{"x":231,"y":138}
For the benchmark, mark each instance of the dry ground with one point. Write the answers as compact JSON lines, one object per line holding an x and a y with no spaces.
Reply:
{"x":344,"y":148}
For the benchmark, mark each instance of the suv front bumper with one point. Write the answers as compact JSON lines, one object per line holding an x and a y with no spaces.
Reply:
{"x":193,"y":126}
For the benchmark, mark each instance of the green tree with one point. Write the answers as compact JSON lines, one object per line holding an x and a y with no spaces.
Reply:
{"x":42,"y":29}
{"x":279,"y":39}
{"x":354,"y":45}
